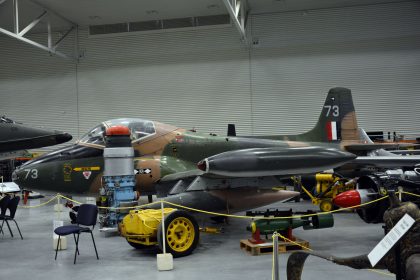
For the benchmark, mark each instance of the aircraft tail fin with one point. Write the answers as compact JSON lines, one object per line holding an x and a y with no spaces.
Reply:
{"x":337,"y":121}
{"x":364,"y":138}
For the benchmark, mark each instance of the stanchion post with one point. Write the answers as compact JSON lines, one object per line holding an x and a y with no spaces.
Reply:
{"x":163,"y":227}
{"x":58,"y":203}
{"x":276,"y":256}
{"x":164,"y":261}
{"x":58,"y":223}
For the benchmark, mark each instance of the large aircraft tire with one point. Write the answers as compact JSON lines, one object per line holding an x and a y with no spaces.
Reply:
{"x":181,"y":232}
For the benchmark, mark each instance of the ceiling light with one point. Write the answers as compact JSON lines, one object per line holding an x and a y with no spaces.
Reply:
{"x":94,"y":17}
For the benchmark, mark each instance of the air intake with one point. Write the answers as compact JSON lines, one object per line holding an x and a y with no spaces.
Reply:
{"x":156,"y":25}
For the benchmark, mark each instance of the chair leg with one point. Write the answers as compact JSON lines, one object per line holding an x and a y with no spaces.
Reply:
{"x":94,"y":245}
{"x":10,"y":230}
{"x":77,"y":247}
{"x":18,"y":229}
{"x":74,"y":236}
{"x":58,"y":245}
{"x":1,"y":228}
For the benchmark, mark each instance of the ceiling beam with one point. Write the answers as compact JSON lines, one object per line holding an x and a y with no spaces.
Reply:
{"x":238,"y":15}
{"x":52,"y":12}
{"x":16,"y":16}
{"x":32,"y":24}
{"x":35,"y":44}
{"x":19,"y":35}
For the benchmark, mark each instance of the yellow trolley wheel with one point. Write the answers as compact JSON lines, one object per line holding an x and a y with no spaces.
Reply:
{"x":326,"y":206}
{"x":181,"y":232}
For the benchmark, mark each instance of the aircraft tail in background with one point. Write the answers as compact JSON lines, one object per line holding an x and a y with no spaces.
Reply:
{"x":337,"y":121}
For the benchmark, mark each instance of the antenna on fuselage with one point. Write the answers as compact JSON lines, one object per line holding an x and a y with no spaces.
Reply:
{"x":231,"y":130}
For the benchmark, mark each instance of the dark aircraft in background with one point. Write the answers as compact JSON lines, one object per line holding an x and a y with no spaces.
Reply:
{"x":219,"y":173}
{"x":15,"y":137}
{"x":386,"y":159}
{"x":387,"y":171}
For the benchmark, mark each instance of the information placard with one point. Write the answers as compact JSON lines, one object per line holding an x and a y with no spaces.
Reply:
{"x":390,"y":239}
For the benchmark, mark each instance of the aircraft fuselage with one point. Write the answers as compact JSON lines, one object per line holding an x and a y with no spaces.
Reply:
{"x":78,"y":168}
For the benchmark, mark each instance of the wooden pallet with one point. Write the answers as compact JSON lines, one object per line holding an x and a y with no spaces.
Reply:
{"x":267,"y":248}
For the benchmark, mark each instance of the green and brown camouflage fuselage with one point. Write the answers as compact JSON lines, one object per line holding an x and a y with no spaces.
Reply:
{"x":166,"y":160}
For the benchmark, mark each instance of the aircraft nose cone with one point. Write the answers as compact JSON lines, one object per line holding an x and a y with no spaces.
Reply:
{"x":14,"y":176}
{"x":18,"y":176}
{"x":63,"y":137}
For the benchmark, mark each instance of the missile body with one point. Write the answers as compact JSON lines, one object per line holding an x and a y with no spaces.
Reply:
{"x":274,"y":161}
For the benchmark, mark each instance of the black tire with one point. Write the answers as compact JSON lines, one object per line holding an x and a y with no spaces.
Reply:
{"x":137,"y":245}
{"x":375,"y":213}
{"x":179,"y":222}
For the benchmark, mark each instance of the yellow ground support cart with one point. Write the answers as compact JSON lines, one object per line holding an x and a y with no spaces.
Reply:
{"x":328,"y":186}
{"x":142,"y":228}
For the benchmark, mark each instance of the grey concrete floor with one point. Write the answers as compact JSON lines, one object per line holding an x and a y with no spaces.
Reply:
{"x":217,"y":256}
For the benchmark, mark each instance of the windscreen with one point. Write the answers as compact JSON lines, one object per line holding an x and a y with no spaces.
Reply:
{"x":139,"y":129}
{"x":95,"y":135}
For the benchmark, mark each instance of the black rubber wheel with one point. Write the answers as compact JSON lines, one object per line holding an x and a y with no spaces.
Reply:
{"x":375,"y":213}
{"x":137,"y":245}
{"x":181,"y":232}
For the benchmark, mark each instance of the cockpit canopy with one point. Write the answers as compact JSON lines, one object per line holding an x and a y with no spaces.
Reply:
{"x":139,"y":129}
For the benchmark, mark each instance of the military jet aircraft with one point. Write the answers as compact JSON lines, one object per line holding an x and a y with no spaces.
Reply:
{"x":15,"y":137}
{"x":223,"y":173}
{"x":385,"y":159}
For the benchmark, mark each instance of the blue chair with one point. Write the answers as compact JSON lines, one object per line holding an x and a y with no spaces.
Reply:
{"x":12,"y":205}
{"x":86,"y":221}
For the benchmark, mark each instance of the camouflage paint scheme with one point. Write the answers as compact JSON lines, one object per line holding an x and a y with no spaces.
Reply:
{"x":167,"y":160}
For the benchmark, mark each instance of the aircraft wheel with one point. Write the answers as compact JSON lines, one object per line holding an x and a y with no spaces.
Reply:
{"x":326,"y":206}
{"x":181,"y":232}
{"x":137,"y":245}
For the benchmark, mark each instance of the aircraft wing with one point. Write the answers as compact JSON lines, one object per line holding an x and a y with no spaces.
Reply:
{"x":376,"y":146}
{"x":405,"y":152}
{"x":182,"y":175}
{"x":246,"y":177}
{"x":387,"y":161}
{"x":367,"y":145}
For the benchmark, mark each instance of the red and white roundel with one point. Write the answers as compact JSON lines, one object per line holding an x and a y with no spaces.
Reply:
{"x":332,"y":131}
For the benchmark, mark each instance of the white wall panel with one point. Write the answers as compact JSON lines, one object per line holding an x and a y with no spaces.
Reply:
{"x":197,"y":78}
{"x":373,"y":50}
{"x":37,"y":89}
